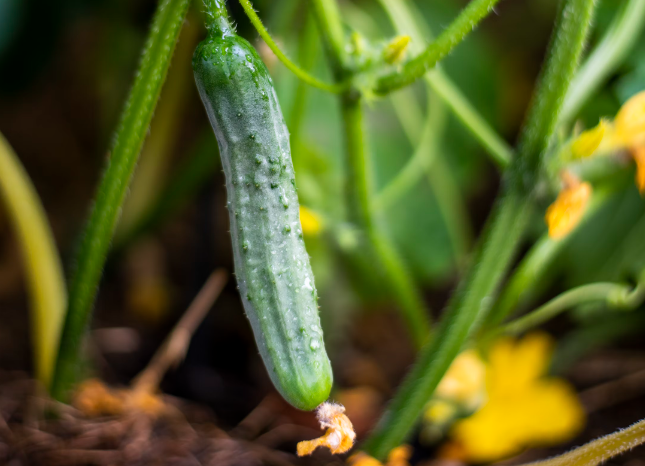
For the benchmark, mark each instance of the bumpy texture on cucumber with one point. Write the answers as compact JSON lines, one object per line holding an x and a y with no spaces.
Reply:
{"x":271,"y":264}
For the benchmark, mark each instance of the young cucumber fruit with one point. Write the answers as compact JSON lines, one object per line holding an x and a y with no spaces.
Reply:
{"x":271,"y":264}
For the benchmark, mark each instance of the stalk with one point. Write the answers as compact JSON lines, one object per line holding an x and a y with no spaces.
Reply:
{"x":470,"y":304}
{"x":619,"y":39}
{"x":359,"y":198}
{"x":131,"y":132}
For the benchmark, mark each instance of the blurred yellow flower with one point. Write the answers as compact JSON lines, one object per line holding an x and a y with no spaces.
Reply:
{"x":630,"y":122}
{"x":567,"y":210}
{"x":639,"y":157}
{"x":524,"y":408}
{"x":465,"y":381}
{"x":627,"y":131}
{"x":395,"y":50}
{"x":630,"y":132}
{"x":461,"y":391}
{"x":398,"y":457}
{"x":589,"y":141}
{"x":310,"y":221}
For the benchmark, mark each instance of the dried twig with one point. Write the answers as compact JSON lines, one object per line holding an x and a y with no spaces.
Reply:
{"x":174,"y":348}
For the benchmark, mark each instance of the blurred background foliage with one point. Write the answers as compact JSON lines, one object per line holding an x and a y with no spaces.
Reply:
{"x":66,"y":67}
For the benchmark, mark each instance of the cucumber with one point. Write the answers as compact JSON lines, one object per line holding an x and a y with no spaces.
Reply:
{"x":271,"y":263}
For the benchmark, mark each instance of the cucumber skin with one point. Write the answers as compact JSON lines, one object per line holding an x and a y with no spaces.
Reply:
{"x":271,"y":263}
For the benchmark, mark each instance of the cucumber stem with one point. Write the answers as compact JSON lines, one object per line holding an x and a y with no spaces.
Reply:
{"x":360,"y":199}
{"x":216,"y":18}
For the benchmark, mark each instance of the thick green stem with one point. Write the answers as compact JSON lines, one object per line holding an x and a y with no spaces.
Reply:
{"x":359,"y":190}
{"x":200,"y":166}
{"x":567,"y":43}
{"x":130,"y":135}
{"x":466,"y":309}
{"x":606,"y":57}
{"x":471,"y":302}
{"x":437,"y":50}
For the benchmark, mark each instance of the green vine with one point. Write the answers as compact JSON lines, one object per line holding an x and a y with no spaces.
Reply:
{"x":295,"y":69}
{"x":112,"y":190}
{"x":606,"y":57}
{"x":406,"y":21}
{"x":359,"y":192}
{"x":614,"y":295}
{"x":437,"y":50}
{"x":472,"y":300}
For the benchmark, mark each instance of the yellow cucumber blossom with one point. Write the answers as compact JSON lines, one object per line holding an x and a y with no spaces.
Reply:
{"x":461,"y":391}
{"x":626,"y":132}
{"x":589,"y":141}
{"x":310,"y":221}
{"x":394,"y":51}
{"x":567,"y":210}
{"x":630,"y":122}
{"x":399,"y":456}
{"x":639,"y":157}
{"x":524,"y":408}
{"x":630,"y":133}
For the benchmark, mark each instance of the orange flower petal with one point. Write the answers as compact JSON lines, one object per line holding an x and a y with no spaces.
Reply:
{"x":630,"y":121}
{"x":363,"y":459}
{"x":566,"y":212}
{"x":639,"y":156}
{"x":340,"y":434}
{"x":399,"y":456}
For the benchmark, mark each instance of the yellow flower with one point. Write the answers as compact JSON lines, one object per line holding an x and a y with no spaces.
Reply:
{"x":589,"y":141}
{"x":340,"y":434}
{"x":630,"y":122}
{"x":639,"y":157}
{"x":567,"y":210}
{"x":524,"y":408}
{"x":464,"y":382}
{"x":630,"y":133}
{"x":310,"y":221}
{"x":399,"y":456}
{"x":627,"y":131}
{"x":395,"y":50}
